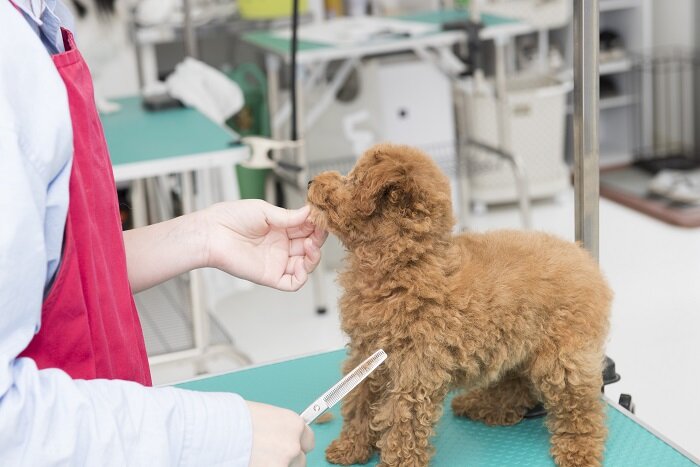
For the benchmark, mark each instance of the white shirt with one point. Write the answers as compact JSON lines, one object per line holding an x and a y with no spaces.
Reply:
{"x":47,"y":418}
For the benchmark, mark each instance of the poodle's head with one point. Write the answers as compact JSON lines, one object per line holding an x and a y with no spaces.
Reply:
{"x":393,"y":192}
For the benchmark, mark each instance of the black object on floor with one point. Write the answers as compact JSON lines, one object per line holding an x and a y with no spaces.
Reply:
{"x":673,"y":162}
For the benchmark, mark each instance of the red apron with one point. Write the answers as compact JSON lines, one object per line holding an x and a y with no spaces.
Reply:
{"x":89,"y":324}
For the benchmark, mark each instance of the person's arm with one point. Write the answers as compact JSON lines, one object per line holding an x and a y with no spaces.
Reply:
{"x":250,"y":239}
{"x":47,"y":418}
{"x":161,"y":251}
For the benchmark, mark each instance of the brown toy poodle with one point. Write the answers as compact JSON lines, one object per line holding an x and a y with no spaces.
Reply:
{"x":508,"y":317}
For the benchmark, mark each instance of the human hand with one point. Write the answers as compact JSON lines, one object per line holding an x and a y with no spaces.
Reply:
{"x":280,"y":437}
{"x":262,"y":243}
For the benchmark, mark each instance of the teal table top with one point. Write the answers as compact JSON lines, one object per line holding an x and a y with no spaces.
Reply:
{"x":135,"y":134}
{"x":459,"y":442}
{"x":280,"y":45}
{"x":447,"y":16}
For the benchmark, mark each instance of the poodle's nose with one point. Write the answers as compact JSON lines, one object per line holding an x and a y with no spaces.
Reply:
{"x":309,"y":184}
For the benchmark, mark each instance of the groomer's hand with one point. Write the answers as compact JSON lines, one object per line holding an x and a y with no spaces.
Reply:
{"x":262,"y":243}
{"x":280,"y":437}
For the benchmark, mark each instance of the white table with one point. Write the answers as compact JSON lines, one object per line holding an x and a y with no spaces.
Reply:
{"x":181,"y":141}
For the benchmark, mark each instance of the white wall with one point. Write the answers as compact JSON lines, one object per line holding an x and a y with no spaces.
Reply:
{"x":108,"y":52}
{"x":673,"y":23}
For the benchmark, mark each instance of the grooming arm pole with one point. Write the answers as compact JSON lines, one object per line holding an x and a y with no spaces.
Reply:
{"x":586,"y":95}
{"x":191,"y":48}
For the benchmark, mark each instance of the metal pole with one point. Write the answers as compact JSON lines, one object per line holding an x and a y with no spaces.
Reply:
{"x":191,"y":49}
{"x":586,"y":96}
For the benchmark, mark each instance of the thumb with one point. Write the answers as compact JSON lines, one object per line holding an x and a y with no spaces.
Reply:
{"x":285,"y":218}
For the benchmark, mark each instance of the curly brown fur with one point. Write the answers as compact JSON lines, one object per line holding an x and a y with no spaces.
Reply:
{"x":508,"y":317}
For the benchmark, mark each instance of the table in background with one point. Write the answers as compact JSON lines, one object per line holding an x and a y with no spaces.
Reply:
{"x":459,"y":442}
{"x":143,"y":145}
{"x":312,"y":57}
{"x":311,"y":54}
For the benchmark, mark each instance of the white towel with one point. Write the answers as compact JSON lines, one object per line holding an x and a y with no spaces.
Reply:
{"x":206,"y":89}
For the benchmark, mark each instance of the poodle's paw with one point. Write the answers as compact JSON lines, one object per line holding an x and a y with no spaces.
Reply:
{"x":474,"y":408}
{"x":577,"y":451}
{"x":346,"y":451}
{"x":405,"y":463}
{"x":570,"y":459}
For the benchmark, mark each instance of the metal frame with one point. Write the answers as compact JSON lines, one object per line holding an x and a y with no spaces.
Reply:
{"x":586,"y":145}
{"x":137,"y":173}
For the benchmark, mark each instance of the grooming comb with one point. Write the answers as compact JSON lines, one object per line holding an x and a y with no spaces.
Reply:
{"x":343,"y":387}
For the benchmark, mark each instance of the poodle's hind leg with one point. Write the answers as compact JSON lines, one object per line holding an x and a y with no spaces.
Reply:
{"x":356,"y":442}
{"x":503,"y":403}
{"x":569,"y":385}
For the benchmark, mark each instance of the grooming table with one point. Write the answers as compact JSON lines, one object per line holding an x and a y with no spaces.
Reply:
{"x":459,"y":442}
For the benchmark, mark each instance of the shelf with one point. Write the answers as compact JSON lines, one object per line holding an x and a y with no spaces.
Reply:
{"x":234,"y":25}
{"x":611,"y":5}
{"x":615,"y":102}
{"x":615,"y":66}
{"x":613,"y":158}
{"x":609,"y":103}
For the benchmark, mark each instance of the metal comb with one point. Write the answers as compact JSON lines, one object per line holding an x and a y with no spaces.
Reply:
{"x":343,"y":387}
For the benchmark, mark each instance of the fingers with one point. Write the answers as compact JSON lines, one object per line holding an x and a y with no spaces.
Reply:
{"x":280,"y":437}
{"x":296,"y":246}
{"x":305,"y":249}
{"x":294,"y":275}
{"x":312,"y":255}
{"x":319,"y":236}
{"x":307,"y":443}
{"x":300,"y":274}
{"x":299,"y":461}
{"x":307,"y":439}
{"x":285,"y":218}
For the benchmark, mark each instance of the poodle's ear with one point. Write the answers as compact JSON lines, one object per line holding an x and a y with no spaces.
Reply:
{"x":385,"y":180}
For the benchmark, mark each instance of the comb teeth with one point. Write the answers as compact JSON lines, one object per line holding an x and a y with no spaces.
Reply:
{"x":353,"y":378}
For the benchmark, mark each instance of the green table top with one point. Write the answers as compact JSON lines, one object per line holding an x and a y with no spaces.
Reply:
{"x":447,"y":16}
{"x":135,"y":135}
{"x":459,"y":442}
{"x":280,"y":45}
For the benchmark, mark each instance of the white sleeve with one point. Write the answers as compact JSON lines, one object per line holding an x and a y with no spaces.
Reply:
{"x":49,"y":419}
{"x":46,"y":418}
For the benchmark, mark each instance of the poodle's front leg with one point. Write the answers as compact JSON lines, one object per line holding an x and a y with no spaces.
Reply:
{"x":408,"y":412}
{"x":356,"y":442}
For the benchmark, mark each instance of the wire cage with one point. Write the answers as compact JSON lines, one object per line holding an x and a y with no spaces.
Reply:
{"x":665,"y":85}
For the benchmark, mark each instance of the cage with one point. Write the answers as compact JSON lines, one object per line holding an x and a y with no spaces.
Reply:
{"x":664,"y":84}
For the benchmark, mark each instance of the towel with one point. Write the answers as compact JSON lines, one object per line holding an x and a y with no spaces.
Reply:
{"x":206,"y":89}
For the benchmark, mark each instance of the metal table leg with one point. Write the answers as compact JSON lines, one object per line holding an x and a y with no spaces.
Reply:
{"x":273,"y":65}
{"x":504,"y":136}
{"x":139,"y":209}
{"x":200,"y":319}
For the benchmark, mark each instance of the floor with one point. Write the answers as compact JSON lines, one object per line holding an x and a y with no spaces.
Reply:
{"x":653,"y":268}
